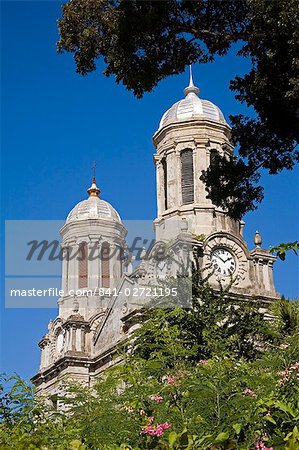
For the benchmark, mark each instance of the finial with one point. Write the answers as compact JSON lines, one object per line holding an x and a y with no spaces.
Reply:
{"x":93,"y":171}
{"x":93,"y":191}
{"x":191,"y":88}
{"x":257,"y":240}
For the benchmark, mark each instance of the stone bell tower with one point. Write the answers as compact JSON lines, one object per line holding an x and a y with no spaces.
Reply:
{"x":93,"y":241}
{"x":190,"y":134}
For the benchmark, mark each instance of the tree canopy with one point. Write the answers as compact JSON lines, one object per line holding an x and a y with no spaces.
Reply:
{"x":142,"y":42}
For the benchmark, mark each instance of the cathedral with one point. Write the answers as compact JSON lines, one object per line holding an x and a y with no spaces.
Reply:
{"x":80,"y":343}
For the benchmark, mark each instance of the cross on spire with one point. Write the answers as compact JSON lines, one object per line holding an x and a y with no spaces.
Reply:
{"x":93,"y":191}
{"x":94,"y":165}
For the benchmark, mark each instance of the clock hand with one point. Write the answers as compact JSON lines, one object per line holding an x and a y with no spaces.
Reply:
{"x":220,"y":258}
{"x":228,"y":259}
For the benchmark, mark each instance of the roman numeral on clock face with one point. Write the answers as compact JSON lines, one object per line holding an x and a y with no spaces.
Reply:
{"x":223,"y":262}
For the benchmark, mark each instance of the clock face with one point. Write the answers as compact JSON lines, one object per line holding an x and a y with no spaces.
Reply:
{"x":223,"y":262}
{"x":162,"y":267}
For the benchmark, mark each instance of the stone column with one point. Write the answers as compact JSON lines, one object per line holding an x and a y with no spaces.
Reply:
{"x":179,"y":178}
{"x":82,"y":330}
{"x":256,"y":272}
{"x":78,"y":340}
{"x":266,"y":276}
{"x":241,"y":227}
{"x":270,"y":274}
{"x":42,"y":357}
{"x":65,"y":271}
{"x":44,"y":346}
{"x":260,"y":273}
{"x":70,"y":338}
{"x":195,"y":172}
{"x":73,"y":336}
{"x":160,"y":187}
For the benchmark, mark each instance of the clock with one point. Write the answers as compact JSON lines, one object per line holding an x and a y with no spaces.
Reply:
{"x":223,"y":262}
{"x":227,"y":256}
{"x":162,"y":269}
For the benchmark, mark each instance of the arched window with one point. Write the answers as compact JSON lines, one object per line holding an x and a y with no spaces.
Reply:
{"x":187,"y":176}
{"x":105,"y":260}
{"x":83,"y":266}
{"x":164,"y":166}
{"x":213,"y":156}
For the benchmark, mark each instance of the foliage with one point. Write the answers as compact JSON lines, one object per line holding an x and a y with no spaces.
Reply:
{"x":283,"y":248}
{"x":142,"y":42}
{"x":287,"y":314}
{"x":220,"y":403}
{"x":217,"y":324}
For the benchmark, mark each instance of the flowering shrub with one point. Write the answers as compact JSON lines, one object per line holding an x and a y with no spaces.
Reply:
{"x":249,"y":392}
{"x":177,"y":396}
{"x":154,"y":430}
{"x":156,"y":398}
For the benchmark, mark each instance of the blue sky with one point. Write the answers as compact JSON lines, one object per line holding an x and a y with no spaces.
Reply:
{"x":54,"y":123}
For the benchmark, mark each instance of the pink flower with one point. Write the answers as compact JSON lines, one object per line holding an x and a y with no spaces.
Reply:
{"x":202,"y":361}
{"x":284,"y":345}
{"x":260,"y":444}
{"x":149,"y":429}
{"x":249,"y":392}
{"x":159,"y":430}
{"x":285,"y":375}
{"x":170,"y":379}
{"x":156,"y":398}
{"x":153,"y":430}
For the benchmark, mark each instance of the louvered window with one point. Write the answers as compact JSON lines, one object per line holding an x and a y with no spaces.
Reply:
{"x":187,"y":180}
{"x":105,"y":260}
{"x":164,"y":165}
{"x":213,"y":157}
{"x":83,"y":265}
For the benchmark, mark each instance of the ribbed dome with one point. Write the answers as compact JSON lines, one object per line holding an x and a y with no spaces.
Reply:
{"x":93,"y":208}
{"x":191,"y":107}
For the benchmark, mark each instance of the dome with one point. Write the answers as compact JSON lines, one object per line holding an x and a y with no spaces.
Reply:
{"x":192,"y":107}
{"x":93,"y":208}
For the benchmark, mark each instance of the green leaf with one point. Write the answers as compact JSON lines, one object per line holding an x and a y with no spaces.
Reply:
{"x":270,"y":419}
{"x":184,"y":440}
{"x":204,"y":438}
{"x":285,"y":408}
{"x":154,"y":364}
{"x":237,"y":427}
{"x":172,"y":438}
{"x":76,"y":445}
{"x":222,"y":437}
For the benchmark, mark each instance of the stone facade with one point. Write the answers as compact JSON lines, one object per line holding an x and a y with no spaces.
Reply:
{"x":81,"y":341}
